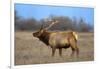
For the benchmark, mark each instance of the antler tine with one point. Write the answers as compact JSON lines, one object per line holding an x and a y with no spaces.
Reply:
{"x":51,"y":24}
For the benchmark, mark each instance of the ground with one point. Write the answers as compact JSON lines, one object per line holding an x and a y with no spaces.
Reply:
{"x":30,"y":50}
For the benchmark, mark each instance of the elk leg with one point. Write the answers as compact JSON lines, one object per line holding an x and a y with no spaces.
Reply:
{"x":77,"y":51}
{"x":53,"y":51}
{"x":60,"y":51}
{"x":73,"y":51}
{"x":74,"y":47}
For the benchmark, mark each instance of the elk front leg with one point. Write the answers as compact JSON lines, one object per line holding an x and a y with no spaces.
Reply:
{"x":60,"y":51}
{"x":53,"y":51}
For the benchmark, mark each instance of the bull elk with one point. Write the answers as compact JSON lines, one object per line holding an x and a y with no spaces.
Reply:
{"x":58,"y":40}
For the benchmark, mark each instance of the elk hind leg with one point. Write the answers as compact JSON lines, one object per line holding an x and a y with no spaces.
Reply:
{"x":75,"y":50}
{"x":74,"y":47}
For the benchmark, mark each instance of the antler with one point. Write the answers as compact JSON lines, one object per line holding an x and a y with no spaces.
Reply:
{"x":51,"y":24}
{"x":41,"y":26}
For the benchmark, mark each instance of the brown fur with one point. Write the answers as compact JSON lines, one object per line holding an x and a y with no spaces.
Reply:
{"x":58,"y":40}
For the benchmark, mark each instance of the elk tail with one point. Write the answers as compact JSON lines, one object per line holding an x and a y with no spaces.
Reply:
{"x":75,"y":35}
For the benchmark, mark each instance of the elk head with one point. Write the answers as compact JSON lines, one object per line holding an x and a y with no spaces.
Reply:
{"x":38,"y":33}
{"x":44,"y":30}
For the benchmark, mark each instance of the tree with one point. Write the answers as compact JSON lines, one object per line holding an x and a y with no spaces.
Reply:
{"x":64,"y":23}
{"x":83,"y":26}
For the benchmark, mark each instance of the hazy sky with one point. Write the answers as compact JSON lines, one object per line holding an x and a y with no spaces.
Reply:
{"x":42,"y":11}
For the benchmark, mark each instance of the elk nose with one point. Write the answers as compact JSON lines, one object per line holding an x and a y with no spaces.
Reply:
{"x":33,"y":34}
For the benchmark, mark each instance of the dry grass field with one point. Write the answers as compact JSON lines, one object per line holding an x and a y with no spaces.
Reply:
{"x":29,"y":50}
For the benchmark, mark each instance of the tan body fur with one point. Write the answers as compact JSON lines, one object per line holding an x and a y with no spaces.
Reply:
{"x":59,"y":40}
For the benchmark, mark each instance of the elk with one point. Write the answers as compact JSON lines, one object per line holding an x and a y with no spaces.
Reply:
{"x":58,"y":40}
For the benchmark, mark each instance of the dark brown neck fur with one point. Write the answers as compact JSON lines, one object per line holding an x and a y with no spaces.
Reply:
{"x":45,"y":37}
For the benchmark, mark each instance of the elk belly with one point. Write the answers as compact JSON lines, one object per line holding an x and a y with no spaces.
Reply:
{"x":55,"y":42}
{"x":58,"y":39}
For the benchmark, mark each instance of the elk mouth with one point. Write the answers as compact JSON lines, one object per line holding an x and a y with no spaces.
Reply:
{"x":34,"y":35}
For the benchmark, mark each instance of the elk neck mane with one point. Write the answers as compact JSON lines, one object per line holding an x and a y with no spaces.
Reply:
{"x":45,"y":37}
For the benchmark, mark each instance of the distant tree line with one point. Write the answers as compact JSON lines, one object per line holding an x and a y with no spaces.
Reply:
{"x":65,"y":23}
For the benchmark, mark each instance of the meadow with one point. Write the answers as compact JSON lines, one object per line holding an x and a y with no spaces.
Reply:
{"x":30,"y":50}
